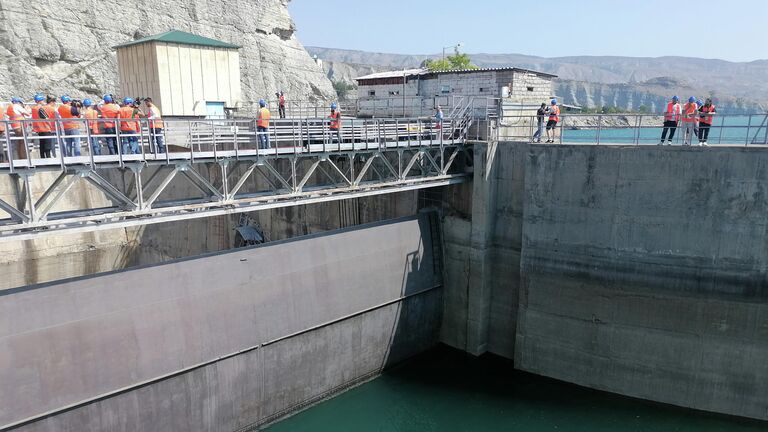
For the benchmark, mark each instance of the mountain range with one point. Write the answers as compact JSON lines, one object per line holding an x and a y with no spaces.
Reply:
{"x":742,"y":86}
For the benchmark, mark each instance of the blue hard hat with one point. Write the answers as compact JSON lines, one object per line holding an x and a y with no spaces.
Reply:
{"x":108,"y":98}
{"x":675,"y":98}
{"x":16,"y":99}
{"x":39,"y":98}
{"x":554,"y":101}
{"x":66,"y":99}
{"x":262,"y":102}
{"x":691,"y":99}
{"x":334,"y":106}
{"x":698,"y":101}
{"x":127,"y":101}
{"x":87,"y":102}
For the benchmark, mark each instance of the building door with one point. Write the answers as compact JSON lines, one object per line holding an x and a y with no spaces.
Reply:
{"x":214,"y":110}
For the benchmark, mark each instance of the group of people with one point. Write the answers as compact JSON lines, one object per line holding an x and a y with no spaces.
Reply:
{"x":696,"y":117}
{"x":263,"y":117}
{"x":552,"y":114}
{"x":71,"y":116}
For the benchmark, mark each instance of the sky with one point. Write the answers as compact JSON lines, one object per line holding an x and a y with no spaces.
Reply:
{"x":734,"y":30}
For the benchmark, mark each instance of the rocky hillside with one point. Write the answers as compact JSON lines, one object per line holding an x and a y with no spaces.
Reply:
{"x":653,"y":94}
{"x":60,"y":46}
{"x":730,"y":81}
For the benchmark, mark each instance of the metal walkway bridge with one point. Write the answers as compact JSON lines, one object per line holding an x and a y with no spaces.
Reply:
{"x":226,"y":165}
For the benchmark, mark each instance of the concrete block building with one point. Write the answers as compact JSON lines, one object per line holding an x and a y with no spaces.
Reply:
{"x":415,"y":92}
{"x":185,"y":74}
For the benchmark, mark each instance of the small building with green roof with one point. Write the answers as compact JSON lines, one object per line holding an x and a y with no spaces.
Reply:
{"x":185,"y":74}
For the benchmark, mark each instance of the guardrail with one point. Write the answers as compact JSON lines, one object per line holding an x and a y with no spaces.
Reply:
{"x":635,"y":129}
{"x":191,"y":139}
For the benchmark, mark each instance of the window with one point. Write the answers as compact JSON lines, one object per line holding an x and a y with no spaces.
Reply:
{"x":445,"y":89}
{"x":371,"y":92}
{"x":530,"y":89}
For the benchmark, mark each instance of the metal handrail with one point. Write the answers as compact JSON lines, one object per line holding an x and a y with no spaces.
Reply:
{"x":205,"y":138}
{"x":637,"y":129}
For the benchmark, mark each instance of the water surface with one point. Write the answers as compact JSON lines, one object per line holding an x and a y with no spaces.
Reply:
{"x":446,"y":390}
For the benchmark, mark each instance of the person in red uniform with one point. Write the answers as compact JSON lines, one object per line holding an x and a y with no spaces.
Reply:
{"x":671,"y":120}
{"x":335,"y":123}
{"x":41,"y":126}
{"x":109,"y":111}
{"x":129,"y":127}
{"x":68,"y":112}
{"x":706,"y":117}
{"x":554,"y":118}
{"x":262,"y":124}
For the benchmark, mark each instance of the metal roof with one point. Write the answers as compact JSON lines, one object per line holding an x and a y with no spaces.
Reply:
{"x":394,"y":74}
{"x":182,"y":38}
{"x":422,"y":71}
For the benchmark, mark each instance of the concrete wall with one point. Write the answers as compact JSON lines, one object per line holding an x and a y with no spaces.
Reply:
{"x":637,"y":270}
{"x":317,"y":314}
{"x":643,"y":273}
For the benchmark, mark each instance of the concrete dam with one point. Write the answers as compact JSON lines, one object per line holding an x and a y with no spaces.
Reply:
{"x":634,"y":270}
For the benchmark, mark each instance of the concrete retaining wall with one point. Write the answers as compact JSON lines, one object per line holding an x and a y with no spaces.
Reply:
{"x":644,"y":273}
{"x":314,"y":314}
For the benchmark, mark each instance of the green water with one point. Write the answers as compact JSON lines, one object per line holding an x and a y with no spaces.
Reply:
{"x":445,"y":390}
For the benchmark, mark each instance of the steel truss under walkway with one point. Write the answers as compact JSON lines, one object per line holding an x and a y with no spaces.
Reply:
{"x":143,"y":192}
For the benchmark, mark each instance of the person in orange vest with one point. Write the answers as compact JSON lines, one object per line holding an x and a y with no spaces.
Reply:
{"x":554,"y":118}
{"x":43,"y":127}
{"x":109,"y":111}
{"x":68,"y":112}
{"x":129,"y":127}
{"x":155,"y":118}
{"x":16,"y":112}
{"x":335,"y":123}
{"x":262,"y":124}
{"x":671,"y":120}
{"x":706,"y":117}
{"x":281,"y":103}
{"x":690,"y":112}
{"x":92,"y":117}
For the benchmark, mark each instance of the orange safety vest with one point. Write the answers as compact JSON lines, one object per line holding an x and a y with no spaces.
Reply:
{"x":689,"y":112}
{"x":707,"y":119}
{"x":335,"y":120}
{"x":127,"y":125}
{"x":263,"y":120}
{"x":555,"y":114}
{"x":12,"y":116}
{"x":156,"y":122}
{"x":91,"y":114}
{"x":65,"y":112}
{"x":110,"y":111}
{"x":2,"y":125}
{"x":43,"y":125}
{"x":673,"y":112}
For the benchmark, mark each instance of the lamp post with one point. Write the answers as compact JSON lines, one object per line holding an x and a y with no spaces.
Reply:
{"x":458,"y":45}
{"x":439,"y":87}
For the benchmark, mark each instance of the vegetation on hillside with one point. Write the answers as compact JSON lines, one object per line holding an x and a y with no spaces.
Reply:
{"x":343,"y":88}
{"x":457,"y":61}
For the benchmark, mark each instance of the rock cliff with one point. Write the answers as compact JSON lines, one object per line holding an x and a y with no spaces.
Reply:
{"x":60,"y":46}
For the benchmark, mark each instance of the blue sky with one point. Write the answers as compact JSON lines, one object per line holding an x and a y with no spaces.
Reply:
{"x":732,"y":30}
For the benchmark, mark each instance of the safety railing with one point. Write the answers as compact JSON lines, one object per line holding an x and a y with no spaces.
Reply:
{"x":636,"y":129}
{"x":91,"y":142}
